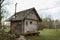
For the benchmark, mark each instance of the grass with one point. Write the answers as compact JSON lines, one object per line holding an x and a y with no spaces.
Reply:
{"x":47,"y":34}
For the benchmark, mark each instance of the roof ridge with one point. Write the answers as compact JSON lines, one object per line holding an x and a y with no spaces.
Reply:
{"x":26,"y":9}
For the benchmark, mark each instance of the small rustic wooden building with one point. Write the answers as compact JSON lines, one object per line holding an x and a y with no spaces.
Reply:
{"x":25,"y":22}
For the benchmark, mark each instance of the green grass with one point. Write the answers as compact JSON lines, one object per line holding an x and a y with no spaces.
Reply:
{"x":47,"y":34}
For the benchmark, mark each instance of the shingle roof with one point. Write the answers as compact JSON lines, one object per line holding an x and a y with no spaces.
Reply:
{"x":22,"y":14}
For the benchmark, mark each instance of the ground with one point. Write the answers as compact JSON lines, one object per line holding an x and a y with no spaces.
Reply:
{"x":47,"y":34}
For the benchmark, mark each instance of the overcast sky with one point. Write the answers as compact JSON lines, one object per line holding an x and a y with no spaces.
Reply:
{"x":43,"y":7}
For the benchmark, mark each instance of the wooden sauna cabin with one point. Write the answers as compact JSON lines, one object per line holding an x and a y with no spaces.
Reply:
{"x":25,"y":22}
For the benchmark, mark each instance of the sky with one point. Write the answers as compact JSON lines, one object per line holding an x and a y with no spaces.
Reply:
{"x":43,"y":7}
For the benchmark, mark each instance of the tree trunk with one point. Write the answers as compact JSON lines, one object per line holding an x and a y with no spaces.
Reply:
{"x":1,"y":1}
{"x":0,"y":16}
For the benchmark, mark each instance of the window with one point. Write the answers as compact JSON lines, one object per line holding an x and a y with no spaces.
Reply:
{"x":26,"y":23}
{"x":30,"y":22}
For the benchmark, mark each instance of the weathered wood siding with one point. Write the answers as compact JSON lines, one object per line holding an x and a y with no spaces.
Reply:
{"x":30,"y":27}
{"x":32,"y":15}
{"x":16,"y":27}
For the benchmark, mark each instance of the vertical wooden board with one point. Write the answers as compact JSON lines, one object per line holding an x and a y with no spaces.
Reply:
{"x":16,"y":27}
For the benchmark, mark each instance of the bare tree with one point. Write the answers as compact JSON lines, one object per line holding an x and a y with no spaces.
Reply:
{"x":1,"y":1}
{"x":3,"y":10}
{"x":50,"y":21}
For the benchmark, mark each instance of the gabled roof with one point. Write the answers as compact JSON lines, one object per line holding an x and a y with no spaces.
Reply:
{"x":24,"y":13}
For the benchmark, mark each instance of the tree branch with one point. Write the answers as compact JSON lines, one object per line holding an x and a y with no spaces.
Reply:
{"x":2,"y":1}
